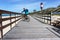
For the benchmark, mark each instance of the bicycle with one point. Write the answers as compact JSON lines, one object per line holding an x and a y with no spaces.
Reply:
{"x":25,"y":18}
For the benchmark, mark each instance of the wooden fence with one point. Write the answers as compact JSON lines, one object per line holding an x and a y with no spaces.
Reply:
{"x":45,"y":17}
{"x":16,"y":15}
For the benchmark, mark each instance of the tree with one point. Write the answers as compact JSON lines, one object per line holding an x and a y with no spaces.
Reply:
{"x":34,"y":10}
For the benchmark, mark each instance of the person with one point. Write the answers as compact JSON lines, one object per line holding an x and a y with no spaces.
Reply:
{"x":25,"y":11}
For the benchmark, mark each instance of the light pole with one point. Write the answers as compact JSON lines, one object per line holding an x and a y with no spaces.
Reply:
{"x":41,"y":7}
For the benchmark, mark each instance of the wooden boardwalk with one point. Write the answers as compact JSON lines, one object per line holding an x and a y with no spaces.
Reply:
{"x":30,"y":30}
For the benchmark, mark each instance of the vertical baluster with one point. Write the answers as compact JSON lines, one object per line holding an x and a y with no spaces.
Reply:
{"x":50,"y":18}
{"x":47,"y":18}
{"x":10,"y":22}
{"x":44,"y":18}
{"x":15,"y":19}
{"x":1,"y":25}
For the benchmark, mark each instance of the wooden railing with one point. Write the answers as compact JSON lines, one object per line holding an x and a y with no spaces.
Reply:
{"x":8,"y":18}
{"x":45,"y":18}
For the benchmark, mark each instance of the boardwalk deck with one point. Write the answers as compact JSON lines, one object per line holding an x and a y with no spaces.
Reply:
{"x":30,"y":30}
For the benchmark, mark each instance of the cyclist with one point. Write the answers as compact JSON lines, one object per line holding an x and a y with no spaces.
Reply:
{"x":25,"y":13}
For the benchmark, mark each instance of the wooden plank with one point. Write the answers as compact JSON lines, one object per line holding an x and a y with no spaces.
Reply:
{"x":5,"y":19}
{"x":30,"y":30}
{"x":7,"y":12}
{"x":8,"y":24}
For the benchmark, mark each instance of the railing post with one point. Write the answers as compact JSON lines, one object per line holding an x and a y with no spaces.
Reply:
{"x":50,"y":18}
{"x":1,"y":25}
{"x":10,"y":22}
{"x":47,"y":18}
{"x":44,"y":18}
{"x":15,"y":19}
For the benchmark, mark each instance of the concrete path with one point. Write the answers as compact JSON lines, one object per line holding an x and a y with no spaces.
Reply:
{"x":30,"y":30}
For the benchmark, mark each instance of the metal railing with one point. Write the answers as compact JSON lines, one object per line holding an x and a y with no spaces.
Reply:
{"x":9,"y":18}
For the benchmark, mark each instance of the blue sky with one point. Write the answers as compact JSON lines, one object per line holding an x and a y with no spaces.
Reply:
{"x":18,"y":5}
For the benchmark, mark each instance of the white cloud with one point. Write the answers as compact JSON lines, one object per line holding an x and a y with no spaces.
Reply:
{"x":31,"y":6}
{"x":19,"y":7}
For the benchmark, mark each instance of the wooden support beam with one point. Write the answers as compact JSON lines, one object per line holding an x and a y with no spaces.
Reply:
{"x":50,"y":18}
{"x":10,"y":22}
{"x":15,"y":19}
{"x":1,"y":25}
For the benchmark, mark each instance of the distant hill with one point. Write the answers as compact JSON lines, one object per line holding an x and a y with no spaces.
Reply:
{"x":49,"y":10}
{"x":56,"y":13}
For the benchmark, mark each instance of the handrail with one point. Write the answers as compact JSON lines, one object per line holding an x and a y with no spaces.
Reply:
{"x":4,"y":19}
{"x":8,"y":24}
{"x":8,"y":12}
{"x":45,"y":16}
{"x":9,"y":18}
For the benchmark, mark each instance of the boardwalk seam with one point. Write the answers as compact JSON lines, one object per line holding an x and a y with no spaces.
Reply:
{"x":51,"y":30}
